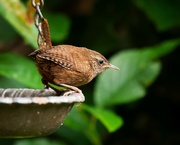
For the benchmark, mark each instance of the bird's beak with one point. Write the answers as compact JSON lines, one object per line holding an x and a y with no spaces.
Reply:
{"x":112,"y":66}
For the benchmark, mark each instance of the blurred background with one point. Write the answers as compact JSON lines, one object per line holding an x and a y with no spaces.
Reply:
{"x":138,"y":105}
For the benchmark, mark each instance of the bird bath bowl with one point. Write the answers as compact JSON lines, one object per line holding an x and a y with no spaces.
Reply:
{"x":32,"y":113}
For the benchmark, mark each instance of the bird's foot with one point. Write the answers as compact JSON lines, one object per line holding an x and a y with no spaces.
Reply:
{"x":68,"y":92}
{"x":73,"y":88}
{"x":58,"y":92}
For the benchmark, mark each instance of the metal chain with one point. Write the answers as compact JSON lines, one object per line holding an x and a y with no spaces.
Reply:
{"x":38,"y":18}
{"x":41,"y":4}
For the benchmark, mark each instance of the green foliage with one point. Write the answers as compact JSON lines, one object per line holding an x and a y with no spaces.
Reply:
{"x":137,"y":71}
{"x":15,"y":13}
{"x":164,"y":13}
{"x":40,"y":141}
{"x":5,"y":83}
{"x":110,"y":120}
{"x":20,"y":69}
{"x":56,"y":22}
{"x":4,"y":29}
{"x":79,"y":121}
{"x":139,"y":67}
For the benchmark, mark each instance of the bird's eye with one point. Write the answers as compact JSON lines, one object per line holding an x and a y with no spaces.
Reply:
{"x":100,"y":61}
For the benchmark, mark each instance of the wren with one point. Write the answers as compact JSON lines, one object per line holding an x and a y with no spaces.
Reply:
{"x":69,"y":66}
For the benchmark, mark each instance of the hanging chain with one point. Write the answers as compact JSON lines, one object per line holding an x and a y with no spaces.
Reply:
{"x":38,"y":6}
{"x":44,"y":39}
{"x":38,"y":18}
{"x":41,"y":3}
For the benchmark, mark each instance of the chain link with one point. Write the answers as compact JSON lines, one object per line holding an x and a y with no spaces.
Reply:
{"x":41,"y":3}
{"x":38,"y":18}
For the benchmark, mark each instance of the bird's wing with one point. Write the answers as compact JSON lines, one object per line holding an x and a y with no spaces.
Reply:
{"x":61,"y":57}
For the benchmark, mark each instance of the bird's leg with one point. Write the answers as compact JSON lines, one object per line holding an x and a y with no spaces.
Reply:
{"x":58,"y":92}
{"x":46,"y":85}
{"x":72,"y":88}
{"x":68,"y":86}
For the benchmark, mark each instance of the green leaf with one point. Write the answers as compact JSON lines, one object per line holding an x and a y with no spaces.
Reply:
{"x":59,"y":26}
{"x":9,"y":83}
{"x":150,"y":73}
{"x":76,"y":117}
{"x":71,"y":135}
{"x":7,"y":33}
{"x":164,"y":13}
{"x":21,"y":69}
{"x":38,"y":141}
{"x":79,"y":120}
{"x":137,"y":71}
{"x":15,"y":13}
{"x":110,"y":120}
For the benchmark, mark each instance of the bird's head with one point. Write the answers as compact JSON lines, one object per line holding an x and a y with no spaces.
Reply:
{"x":100,"y":63}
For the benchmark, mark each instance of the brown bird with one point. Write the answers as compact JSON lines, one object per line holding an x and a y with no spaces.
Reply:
{"x":69,"y":66}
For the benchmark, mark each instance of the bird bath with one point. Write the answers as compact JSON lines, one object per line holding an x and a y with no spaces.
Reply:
{"x":32,"y":113}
